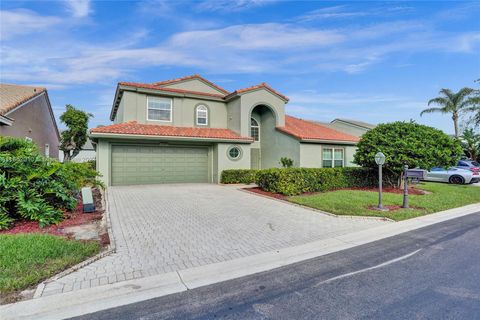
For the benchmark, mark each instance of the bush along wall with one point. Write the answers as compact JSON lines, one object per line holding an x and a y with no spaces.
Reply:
{"x":245,"y":176}
{"x":36,"y":188}
{"x":293,"y":181}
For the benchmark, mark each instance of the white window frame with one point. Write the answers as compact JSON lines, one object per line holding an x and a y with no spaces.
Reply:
{"x":197,"y":109}
{"x":333,"y":157}
{"x":160,"y":98}
{"x":257,"y":127}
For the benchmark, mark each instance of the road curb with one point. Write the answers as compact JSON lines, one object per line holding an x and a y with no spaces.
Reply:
{"x":111,"y":248}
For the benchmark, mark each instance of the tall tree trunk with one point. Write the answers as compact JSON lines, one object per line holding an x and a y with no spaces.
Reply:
{"x":66,"y":156}
{"x":455,"y":123}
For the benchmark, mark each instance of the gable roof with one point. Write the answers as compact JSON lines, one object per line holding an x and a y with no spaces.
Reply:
{"x":262,"y":85}
{"x":192,"y":77}
{"x":174,"y":90}
{"x":362,"y":124}
{"x":134,"y":128}
{"x":12,"y":96}
{"x":309,"y":131}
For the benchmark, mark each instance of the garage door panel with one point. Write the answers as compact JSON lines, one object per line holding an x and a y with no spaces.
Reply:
{"x":154,"y":164}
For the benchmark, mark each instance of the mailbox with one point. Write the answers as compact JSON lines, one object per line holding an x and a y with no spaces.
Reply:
{"x":416,"y":173}
{"x":87,"y":199}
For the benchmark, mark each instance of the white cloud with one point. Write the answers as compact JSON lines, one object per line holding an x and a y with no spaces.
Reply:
{"x":334,"y":12}
{"x":22,"y":21}
{"x":78,"y":8}
{"x":258,"y":36}
{"x":275,"y":48}
{"x":231,"y":5}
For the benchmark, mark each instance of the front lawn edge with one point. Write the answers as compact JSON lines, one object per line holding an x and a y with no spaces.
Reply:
{"x":111,"y":248}
{"x":244,"y":189}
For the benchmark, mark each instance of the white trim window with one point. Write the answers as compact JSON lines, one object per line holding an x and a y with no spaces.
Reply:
{"x":201,"y":114}
{"x":254,"y":129}
{"x":159,"y":109}
{"x":333,"y":157}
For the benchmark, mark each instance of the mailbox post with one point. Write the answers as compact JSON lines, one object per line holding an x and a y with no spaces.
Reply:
{"x":410,"y":173}
{"x":380,"y":160}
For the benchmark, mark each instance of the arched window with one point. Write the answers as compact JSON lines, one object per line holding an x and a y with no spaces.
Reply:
{"x":254,"y":129}
{"x":202,"y":115}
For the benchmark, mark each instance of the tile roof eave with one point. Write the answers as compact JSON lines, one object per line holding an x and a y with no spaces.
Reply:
{"x":20,"y":103}
{"x":96,"y":135}
{"x":314,"y":140}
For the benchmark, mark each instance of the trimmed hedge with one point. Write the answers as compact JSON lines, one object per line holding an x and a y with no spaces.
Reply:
{"x":233,"y":176}
{"x":293,"y":181}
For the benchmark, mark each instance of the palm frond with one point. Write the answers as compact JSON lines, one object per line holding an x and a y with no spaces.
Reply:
{"x":433,"y":110}
{"x":441,"y":101}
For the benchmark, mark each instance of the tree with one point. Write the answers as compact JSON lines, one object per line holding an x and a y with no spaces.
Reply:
{"x":75,"y":136}
{"x":475,"y":107}
{"x":407,"y":143}
{"x":471,"y":144}
{"x":452,"y":102}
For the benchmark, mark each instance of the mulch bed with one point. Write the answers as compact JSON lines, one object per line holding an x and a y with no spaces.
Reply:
{"x":411,"y":190}
{"x":74,"y":218}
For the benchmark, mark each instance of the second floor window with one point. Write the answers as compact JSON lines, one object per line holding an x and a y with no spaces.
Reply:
{"x":202,"y":115}
{"x":159,"y":109}
{"x":254,"y":129}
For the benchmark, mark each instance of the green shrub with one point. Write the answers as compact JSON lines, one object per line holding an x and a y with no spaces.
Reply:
{"x":36,"y":188}
{"x":286,"y":162}
{"x":245,"y":176}
{"x":407,"y":143}
{"x":293,"y":181}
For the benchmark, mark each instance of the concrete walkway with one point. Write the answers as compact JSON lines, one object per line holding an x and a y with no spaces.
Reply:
{"x":164,"y":228}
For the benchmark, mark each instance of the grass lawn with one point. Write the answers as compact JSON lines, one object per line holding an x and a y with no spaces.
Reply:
{"x":27,"y":259}
{"x":356,"y":203}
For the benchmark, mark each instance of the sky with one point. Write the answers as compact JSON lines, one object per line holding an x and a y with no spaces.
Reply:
{"x":370,"y":61}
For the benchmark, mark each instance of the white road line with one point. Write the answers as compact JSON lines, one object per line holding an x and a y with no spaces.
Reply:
{"x":370,"y":268}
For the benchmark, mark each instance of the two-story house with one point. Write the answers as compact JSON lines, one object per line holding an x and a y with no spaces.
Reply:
{"x":190,"y":130}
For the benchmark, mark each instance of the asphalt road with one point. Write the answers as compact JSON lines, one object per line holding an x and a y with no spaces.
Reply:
{"x":430,"y":273}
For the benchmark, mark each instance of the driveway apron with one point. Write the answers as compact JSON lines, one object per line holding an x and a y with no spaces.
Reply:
{"x":163,"y":228}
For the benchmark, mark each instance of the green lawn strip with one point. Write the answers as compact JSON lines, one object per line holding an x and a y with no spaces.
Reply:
{"x":27,"y":259}
{"x":356,"y":203}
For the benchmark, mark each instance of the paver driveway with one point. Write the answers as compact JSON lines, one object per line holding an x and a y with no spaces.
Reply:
{"x":162,"y":228}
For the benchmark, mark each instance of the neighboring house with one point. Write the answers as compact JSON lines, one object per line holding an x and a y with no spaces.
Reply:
{"x":25,"y":112}
{"x":352,"y":127}
{"x":190,"y":130}
{"x":86,"y":154}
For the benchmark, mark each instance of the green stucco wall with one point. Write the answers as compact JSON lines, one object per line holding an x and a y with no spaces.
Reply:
{"x":194,"y":85}
{"x":133,"y":107}
{"x":348,"y":128}
{"x":311,"y":154}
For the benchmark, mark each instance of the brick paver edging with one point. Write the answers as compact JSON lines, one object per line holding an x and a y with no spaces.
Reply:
{"x":244,"y":189}
{"x":111,"y":248}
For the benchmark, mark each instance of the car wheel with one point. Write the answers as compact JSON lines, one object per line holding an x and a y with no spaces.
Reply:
{"x":456,"y":180}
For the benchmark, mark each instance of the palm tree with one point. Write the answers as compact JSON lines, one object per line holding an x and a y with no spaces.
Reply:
{"x":452,"y":102}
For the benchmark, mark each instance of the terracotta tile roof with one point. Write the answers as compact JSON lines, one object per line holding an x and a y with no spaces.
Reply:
{"x":195,"y":76}
{"x":168,"y":131}
{"x":156,"y":87}
{"x":307,"y":130}
{"x":12,"y":95}
{"x":256,"y":87}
